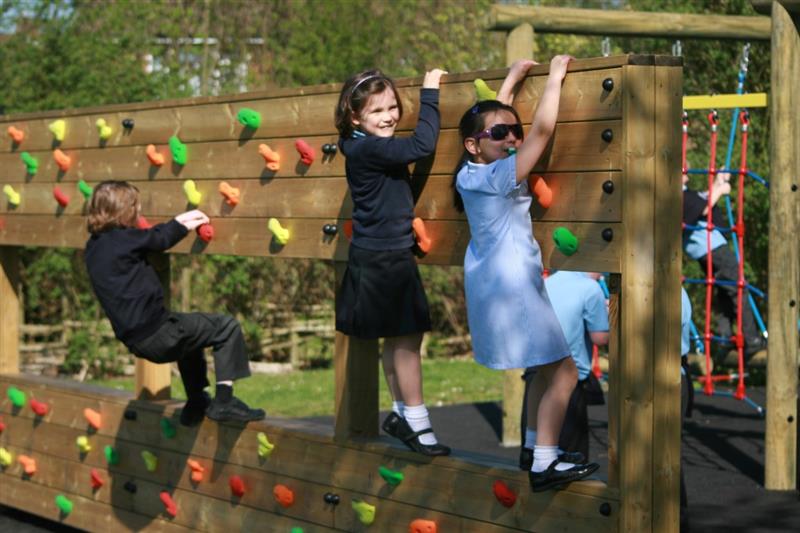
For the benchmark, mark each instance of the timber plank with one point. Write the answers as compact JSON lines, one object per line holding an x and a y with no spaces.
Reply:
{"x":576,"y":146}
{"x":295,"y":457}
{"x":578,"y":197}
{"x":10,"y":308}
{"x":250,"y":237}
{"x":583,"y":98}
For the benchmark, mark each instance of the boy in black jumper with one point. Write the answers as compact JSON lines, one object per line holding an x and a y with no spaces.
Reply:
{"x":131,"y":295}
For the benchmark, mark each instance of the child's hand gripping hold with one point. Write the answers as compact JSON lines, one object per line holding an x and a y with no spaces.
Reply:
{"x":192,"y":219}
{"x":433,"y":78}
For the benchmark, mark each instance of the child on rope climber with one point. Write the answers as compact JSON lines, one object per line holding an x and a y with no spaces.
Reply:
{"x":725,"y":264}
{"x":510,"y":317}
{"x":381,"y":294}
{"x":132,"y":296}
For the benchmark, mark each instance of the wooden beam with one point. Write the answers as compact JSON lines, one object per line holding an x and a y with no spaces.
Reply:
{"x":520,"y":43}
{"x":153,"y":381}
{"x":10,"y":309}
{"x":780,"y":462}
{"x":613,"y":22}
{"x":765,"y":6}
{"x":720,"y":101}
{"x":637,"y":311}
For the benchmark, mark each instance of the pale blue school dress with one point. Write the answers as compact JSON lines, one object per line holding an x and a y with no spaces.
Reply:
{"x":510,"y":317}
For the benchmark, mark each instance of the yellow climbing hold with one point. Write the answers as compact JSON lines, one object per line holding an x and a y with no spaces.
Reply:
{"x":83,"y":444}
{"x":483,"y":91}
{"x":13,"y":197}
{"x":6,"y":458}
{"x":150,"y":460}
{"x":104,"y":131}
{"x":281,"y":234}
{"x":193,"y":196}
{"x":265,"y":447}
{"x":59,"y":129}
{"x":364,"y":511}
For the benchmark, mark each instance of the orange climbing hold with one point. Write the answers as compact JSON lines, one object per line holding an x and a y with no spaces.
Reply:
{"x":93,"y":418}
{"x":421,"y":525}
{"x":271,"y":158}
{"x":156,"y":159}
{"x":504,"y":494}
{"x":39,"y":408}
{"x":231,"y":194}
{"x":16,"y":134}
{"x":543,"y":192}
{"x":63,"y":161}
{"x":197,"y":470}
{"x":237,"y":486}
{"x":60,"y":196}
{"x":283,"y":495}
{"x":28,"y":464}
{"x":96,"y":479}
{"x":170,"y":507}
{"x":423,"y":241}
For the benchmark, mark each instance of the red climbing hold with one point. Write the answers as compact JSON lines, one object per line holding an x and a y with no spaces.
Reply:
{"x":421,"y":525}
{"x":504,"y":494}
{"x":237,"y":486}
{"x":143,"y":223}
{"x":2,"y":425}
{"x":283,"y":495}
{"x":97,"y":480}
{"x":60,"y":196}
{"x":307,"y":154}
{"x":169,"y":504}
{"x":39,"y":408}
{"x":205,"y":232}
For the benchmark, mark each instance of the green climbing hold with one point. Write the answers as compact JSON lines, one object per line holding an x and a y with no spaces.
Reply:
{"x":483,"y":91}
{"x":297,"y":529}
{"x":112,"y":455}
{"x":150,"y":460}
{"x":16,"y":396}
{"x":392,"y":477}
{"x":64,"y":504}
{"x":85,"y":188}
{"x":249,"y":118}
{"x":168,"y":428}
{"x":566,"y":242}
{"x":31,"y":163}
{"x":178,"y":149}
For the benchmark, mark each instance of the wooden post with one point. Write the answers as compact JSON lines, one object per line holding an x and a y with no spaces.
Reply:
{"x":153,"y":380}
{"x":10,"y":314}
{"x":648,"y":370}
{"x":780,"y":468}
{"x":519,"y":45}
{"x":356,"y":368}
{"x":668,"y":259}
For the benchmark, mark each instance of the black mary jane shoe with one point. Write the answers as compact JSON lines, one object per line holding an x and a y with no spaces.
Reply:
{"x":398,"y":427}
{"x":526,"y":458}
{"x":391,"y":424}
{"x":558,"y":479}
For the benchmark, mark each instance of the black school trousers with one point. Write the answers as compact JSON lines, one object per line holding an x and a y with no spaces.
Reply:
{"x":182,"y":339}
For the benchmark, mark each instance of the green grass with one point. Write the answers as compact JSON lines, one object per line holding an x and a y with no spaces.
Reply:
{"x":310,"y":392}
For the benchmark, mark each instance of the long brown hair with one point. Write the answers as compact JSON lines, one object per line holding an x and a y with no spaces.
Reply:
{"x":355,"y":93}
{"x":114,"y":204}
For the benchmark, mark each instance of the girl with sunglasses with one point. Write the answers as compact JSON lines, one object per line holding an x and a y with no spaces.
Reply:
{"x":381,"y":294}
{"x":511,"y":320}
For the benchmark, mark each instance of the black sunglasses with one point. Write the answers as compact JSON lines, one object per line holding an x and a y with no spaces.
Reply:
{"x":498,"y":132}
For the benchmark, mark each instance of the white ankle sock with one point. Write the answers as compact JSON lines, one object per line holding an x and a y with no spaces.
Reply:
{"x":398,"y":407}
{"x":530,"y":438}
{"x":417,"y":418}
{"x":543,"y":456}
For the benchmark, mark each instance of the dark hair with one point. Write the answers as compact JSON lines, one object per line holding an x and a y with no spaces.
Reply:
{"x":114,"y":204}
{"x":473,"y":122}
{"x":355,"y":93}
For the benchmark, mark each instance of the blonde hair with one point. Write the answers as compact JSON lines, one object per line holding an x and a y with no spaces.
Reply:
{"x":114,"y":204}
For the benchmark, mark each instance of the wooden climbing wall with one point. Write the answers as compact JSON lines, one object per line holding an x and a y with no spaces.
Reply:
{"x":614,"y":168}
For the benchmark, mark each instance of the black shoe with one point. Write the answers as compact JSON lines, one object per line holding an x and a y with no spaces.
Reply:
{"x":233,"y":411}
{"x":557,"y":479}
{"x":398,"y":427}
{"x":391,"y":423}
{"x":526,"y":458}
{"x":194,"y":410}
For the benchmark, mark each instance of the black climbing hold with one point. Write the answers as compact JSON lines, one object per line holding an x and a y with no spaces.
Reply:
{"x":130,"y":414}
{"x":607,"y":135}
{"x":331,"y":498}
{"x":792,"y":303}
{"x":605,"y":509}
{"x":608,"y":84}
{"x":794,"y":187}
{"x":127,"y":123}
{"x":790,"y":419}
{"x":608,"y":234}
{"x":608,"y":186}
{"x":329,"y":148}
{"x":130,"y":486}
{"x":330,"y":229}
